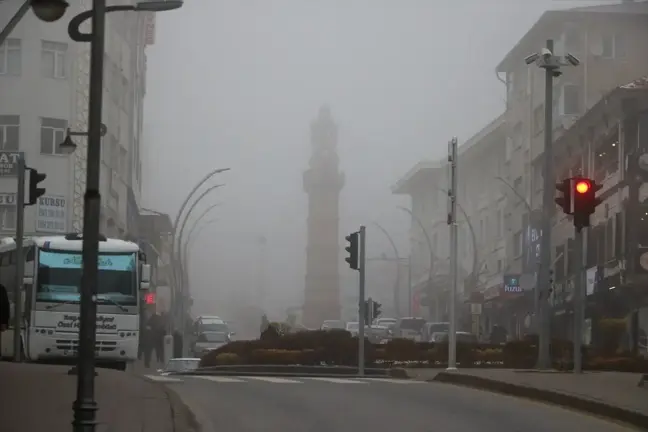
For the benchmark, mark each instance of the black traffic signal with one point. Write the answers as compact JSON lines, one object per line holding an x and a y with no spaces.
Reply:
{"x":367,"y":312}
{"x":35,"y":192}
{"x":352,"y":249}
{"x":376,"y":309}
{"x":584,"y":200}
{"x":564,"y":200}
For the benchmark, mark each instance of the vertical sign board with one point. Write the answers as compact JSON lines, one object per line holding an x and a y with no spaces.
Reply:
{"x":149,"y":28}
{"x":9,"y":168}
{"x":51,"y":214}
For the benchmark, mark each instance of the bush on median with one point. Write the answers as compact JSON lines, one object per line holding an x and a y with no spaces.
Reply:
{"x":340,"y":348}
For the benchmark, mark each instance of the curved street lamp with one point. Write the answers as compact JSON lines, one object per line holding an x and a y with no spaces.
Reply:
{"x":398,"y":268}
{"x":85,"y":407}
{"x":181,"y":274}
{"x":194,"y":225}
{"x":427,"y":240}
{"x":186,"y":249}
{"x":517,"y":194}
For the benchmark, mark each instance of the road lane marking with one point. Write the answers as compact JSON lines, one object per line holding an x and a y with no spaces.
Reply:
{"x":160,"y":378}
{"x":275,"y":380}
{"x":336,"y":380}
{"x":220,"y":379}
{"x":394,"y":381}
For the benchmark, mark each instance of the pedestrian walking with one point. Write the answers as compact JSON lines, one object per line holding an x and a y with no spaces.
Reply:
{"x":5,"y":311}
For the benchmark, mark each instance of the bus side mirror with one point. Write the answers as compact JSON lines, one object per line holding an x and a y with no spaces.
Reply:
{"x":145,"y":277}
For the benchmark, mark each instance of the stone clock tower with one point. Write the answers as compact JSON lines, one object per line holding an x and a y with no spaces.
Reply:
{"x":323,"y":182}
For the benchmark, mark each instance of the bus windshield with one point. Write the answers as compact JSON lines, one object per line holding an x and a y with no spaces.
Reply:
{"x":59,"y":277}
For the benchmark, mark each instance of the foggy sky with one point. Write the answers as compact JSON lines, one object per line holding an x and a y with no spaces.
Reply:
{"x":236,"y":83}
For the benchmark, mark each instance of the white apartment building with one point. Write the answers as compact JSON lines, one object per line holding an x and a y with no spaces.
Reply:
{"x":44,"y":85}
{"x":481,"y":200}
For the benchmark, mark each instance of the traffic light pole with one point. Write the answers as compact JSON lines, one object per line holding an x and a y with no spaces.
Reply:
{"x":20,"y":261}
{"x":579,"y":300}
{"x":361,"y":304}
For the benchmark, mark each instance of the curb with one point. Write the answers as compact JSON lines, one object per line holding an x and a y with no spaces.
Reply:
{"x":294,"y":370}
{"x":287,"y":374}
{"x":184,"y":420}
{"x":580,"y":404}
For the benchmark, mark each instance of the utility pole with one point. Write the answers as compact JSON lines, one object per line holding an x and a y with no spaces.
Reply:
{"x":361,"y":298}
{"x":20,"y":259}
{"x":452,"y":221}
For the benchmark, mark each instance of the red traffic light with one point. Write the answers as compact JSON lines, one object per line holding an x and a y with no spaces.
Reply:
{"x":582,"y":187}
{"x":149,"y":298}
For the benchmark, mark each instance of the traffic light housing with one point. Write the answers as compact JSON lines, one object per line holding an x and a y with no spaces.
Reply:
{"x":367,"y":312}
{"x":35,"y":192}
{"x":564,"y":199}
{"x":585,"y":200}
{"x":353,"y":239}
{"x":376,"y":310}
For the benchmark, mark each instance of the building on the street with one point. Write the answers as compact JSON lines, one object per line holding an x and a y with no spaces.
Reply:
{"x":44,"y":84}
{"x":323,"y":182}
{"x":609,"y":143}
{"x":606,"y":40}
{"x":481,"y":200}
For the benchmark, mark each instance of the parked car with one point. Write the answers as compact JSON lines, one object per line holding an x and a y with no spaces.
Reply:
{"x":410,"y":328}
{"x":333,"y":325}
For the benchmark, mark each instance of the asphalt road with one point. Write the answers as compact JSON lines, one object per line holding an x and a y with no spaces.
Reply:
{"x":308,"y":405}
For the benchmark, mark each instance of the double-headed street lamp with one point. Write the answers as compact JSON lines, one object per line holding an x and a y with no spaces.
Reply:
{"x":551,"y":64}
{"x":85,"y":406}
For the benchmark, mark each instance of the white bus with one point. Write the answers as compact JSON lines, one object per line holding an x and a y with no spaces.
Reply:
{"x":50,"y":298}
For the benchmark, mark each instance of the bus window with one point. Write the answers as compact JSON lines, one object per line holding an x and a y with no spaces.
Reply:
{"x":30,"y":254}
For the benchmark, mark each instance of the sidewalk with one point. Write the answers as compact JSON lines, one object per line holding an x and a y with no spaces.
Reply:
{"x":35,"y":398}
{"x":611,"y":394}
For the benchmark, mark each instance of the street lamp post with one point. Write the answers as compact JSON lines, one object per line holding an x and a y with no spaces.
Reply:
{"x":182,"y":273}
{"x":551,"y":64}
{"x":85,"y":407}
{"x":398,"y":269}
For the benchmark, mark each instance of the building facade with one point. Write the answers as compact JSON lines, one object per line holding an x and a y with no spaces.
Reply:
{"x":607,"y":40}
{"x":44,"y":84}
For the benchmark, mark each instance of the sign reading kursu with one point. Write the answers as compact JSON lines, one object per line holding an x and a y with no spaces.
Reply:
{"x":51,"y":214}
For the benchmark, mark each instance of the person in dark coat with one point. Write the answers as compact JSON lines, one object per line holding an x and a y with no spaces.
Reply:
{"x":4,"y":309}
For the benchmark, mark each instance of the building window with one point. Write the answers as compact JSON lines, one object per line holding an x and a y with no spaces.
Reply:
{"x":9,"y":132}
{"x":7,"y":217}
{"x":52,"y":135}
{"x":11,"y":57}
{"x":53,"y":55}
{"x":612,"y":46}
{"x":517,"y":244}
{"x":570,"y":100}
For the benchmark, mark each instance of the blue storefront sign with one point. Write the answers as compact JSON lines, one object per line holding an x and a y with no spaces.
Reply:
{"x":512,"y":284}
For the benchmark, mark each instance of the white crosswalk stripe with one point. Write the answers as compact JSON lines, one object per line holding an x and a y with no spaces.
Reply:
{"x":220,"y":379}
{"x":393,"y":380}
{"x":275,"y":380}
{"x":337,"y":380}
{"x":160,"y":378}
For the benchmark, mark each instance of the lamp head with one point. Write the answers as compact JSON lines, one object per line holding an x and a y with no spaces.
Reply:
{"x":49,"y":10}
{"x":68,"y":146}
